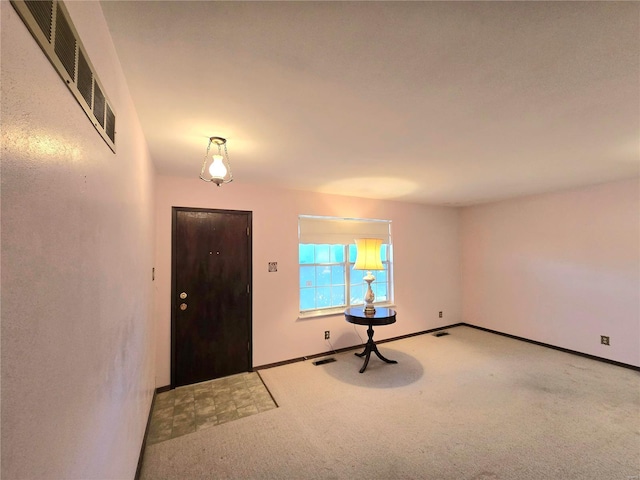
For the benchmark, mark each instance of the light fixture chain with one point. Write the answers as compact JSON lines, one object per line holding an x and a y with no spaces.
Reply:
{"x":226,"y":155}
{"x":204,"y":163}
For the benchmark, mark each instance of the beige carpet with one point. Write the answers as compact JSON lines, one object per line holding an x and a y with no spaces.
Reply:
{"x":470,"y":405}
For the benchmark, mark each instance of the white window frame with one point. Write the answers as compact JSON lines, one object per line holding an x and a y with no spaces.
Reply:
{"x":344,"y":231}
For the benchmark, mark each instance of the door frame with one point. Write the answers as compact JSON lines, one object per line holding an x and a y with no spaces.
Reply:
{"x":174,"y":297}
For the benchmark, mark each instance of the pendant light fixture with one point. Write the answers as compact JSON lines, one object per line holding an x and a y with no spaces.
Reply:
{"x":219,"y":168}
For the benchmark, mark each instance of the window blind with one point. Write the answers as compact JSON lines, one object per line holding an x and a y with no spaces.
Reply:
{"x":341,"y":231}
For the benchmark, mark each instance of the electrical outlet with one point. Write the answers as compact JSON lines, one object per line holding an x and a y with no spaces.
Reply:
{"x":327,"y":335}
{"x":604,"y":340}
{"x":439,"y":314}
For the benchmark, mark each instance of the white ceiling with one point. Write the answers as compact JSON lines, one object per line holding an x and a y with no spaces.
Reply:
{"x":433,"y":102}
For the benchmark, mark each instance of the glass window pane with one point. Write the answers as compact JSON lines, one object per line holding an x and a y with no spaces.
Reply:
{"x":353,"y":253}
{"x":307,"y":276}
{"x":323,"y":297}
{"x":383,"y":252}
{"x":305,"y":253}
{"x":380,"y":291}
{"x":337,"y":253}
{"x":357,"y":276}
{"x":322,"y":254}
{"x":382,"y":274}
{"x":357,"y":295}
{"x":307,"y":298}
{"x":337,"y":296}
{"x":337,"y":275}
{"x":323,"y":275}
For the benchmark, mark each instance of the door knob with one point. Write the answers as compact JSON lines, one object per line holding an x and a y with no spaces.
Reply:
{"x":183,"y":306}
{"x":183,"y":295}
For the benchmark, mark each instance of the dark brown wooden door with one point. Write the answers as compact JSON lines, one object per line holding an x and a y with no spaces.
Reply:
{"x":211,"y":304}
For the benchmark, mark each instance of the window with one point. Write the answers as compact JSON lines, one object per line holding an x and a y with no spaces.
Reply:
{"x":326,"y":256}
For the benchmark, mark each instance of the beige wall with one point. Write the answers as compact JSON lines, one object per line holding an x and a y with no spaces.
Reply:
{"x":77,"y":249}
{"x":426,"y":251}
{"x":561,"y":268}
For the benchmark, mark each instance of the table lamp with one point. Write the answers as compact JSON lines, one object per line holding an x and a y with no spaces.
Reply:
{"x":368,"y":258}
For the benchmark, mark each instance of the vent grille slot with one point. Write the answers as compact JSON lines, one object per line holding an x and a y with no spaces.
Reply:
{"x":50,"y":25}
{"x":98,"y":104}
{"x":42,"y":12}
{"x":65,"y":44}
{"x":110,"y":127}
{"x":85,"y":79}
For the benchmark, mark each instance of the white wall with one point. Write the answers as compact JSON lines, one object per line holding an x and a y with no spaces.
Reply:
{"x":561,"y":268}
{"x":77,"y":250}
{"x":427,"y":269}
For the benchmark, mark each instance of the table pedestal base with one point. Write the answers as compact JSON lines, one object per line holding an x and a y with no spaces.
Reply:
{"x":371,"y":347}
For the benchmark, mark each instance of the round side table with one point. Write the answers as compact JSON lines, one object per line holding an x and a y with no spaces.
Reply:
{"x":382,"y":316}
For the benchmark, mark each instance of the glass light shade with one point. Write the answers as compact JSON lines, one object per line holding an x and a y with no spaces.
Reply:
{"x":368,"y":257}
{"x":217,"y":168}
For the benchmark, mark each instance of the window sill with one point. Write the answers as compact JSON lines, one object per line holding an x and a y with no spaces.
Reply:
{"x":330,"y":312}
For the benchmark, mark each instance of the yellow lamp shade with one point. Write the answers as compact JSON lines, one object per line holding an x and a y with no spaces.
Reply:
{"x":368,"y":257}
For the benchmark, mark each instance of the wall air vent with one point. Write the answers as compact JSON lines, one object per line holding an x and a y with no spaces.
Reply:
{"x":42,"y":12}
{"x":50,"y":24}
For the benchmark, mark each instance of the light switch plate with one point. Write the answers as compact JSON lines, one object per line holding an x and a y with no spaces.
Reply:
{"x":273,"y":266}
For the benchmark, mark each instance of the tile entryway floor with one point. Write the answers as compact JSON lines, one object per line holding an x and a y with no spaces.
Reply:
{"x":194,"y":407}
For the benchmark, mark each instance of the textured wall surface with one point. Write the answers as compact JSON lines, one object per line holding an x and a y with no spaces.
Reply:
{"x":426,"y":265}
{"x":77,"y":250}
{"x":561,"y":268}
